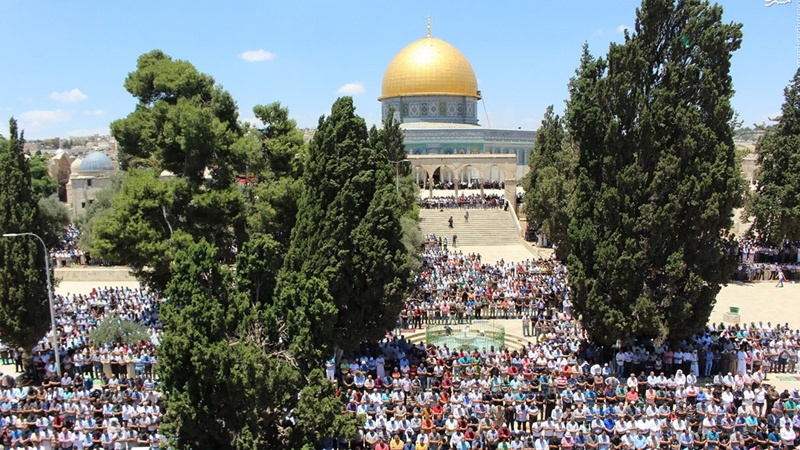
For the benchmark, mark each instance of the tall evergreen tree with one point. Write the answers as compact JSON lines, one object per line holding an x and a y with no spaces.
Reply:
{"x":232,"y":379}
{"x":550,"y":181}
{"x":185,"y":124}
{"x":775,"y":204}
{"x":24,"y":308}
{"x":657,"y":178}
{"x":348,"y":232}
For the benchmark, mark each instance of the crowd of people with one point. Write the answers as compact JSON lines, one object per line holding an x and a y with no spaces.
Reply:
{"x":106,"y":397}
{"x":557,"y":391}
{"x":560,"y":391}
{"x":68,"y":252}
{"x":463,"y":201}
{"x":463,"y":185}
{"x":761,"y":261}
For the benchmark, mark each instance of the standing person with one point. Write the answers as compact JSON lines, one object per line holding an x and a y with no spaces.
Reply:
{"x":526,"y":326}
{"x":455,"y":237}
{"x":781,"y":277}
{"x":450,"y":222}
{"x":466,"y":216}
{"x":330,"y":369}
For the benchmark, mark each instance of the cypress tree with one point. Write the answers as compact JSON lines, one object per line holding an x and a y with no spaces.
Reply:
{"x":550,"y":181}
{"x":24,"y":308}
{"x":775,"y":204}
{"x":657,"y":178}
{"x":348,"y":232}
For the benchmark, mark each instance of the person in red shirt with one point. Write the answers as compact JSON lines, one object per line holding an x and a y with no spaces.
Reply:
{"x":632,"y":396}
{"x":381,"y":445}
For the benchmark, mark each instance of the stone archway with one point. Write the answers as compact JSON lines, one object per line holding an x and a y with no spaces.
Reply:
{"x":494,"y":178}
{"x":443,"y":177}
{"x":488,"y":166}
{"x":469,"y":177}
{"x":420,"y":175}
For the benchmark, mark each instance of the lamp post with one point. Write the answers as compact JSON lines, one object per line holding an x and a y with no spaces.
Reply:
{"x":396,"y":165}
{"x":49,"y":295}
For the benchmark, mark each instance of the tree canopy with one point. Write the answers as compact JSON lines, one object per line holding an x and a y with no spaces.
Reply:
{"x":550,"y":181}
{"x":347,"y":234}
{"x":775,"y":204}
{"x":270,"y":253}
{"x":24,"y":309}
{"x":186,"y":125}
{"x":657,"y":178}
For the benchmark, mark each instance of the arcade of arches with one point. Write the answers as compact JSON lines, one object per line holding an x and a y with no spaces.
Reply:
{"x":465,"y":172}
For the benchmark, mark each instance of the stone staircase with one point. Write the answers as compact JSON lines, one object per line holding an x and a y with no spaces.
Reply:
{"x":485,"y":227}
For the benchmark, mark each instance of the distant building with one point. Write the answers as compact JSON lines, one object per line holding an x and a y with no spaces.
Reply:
{"x":88,"y":176}
{"x":431,"y":89}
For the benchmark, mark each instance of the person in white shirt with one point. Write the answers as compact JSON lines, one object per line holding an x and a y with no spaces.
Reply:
{"x":788,"y":435}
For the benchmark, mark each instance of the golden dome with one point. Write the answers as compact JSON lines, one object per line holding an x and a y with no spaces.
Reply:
{"x":429,"y":66}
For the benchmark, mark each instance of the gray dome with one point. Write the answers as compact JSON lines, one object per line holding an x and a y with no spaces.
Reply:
{"x":96,"y":162}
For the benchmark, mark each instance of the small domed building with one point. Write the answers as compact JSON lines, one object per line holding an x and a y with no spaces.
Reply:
{"x":89,"y":175}
{"x":431,"y":89}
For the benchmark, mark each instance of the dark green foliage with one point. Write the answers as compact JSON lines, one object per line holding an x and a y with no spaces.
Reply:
{"x":550,"y":182}
{"x":187,"y":125}
{"x":274,"y":163}
{"x":101,"y":205}
{"x":246,"y":327}
{"x":348,"y":233}
{"x":183,"y":121}
{"x":55,"y":218}
{"x":42,"y":184}
{"x":113,"y":329}
{"x":657,"y":178}
{"x":775,"y":204}
{"x":137,"y":231}
{"x":230,"y":378}
{"x":24,"y":310}
{"x":257,"y":266}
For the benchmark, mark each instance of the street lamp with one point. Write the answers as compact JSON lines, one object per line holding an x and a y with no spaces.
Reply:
{"x":396,"y":165}
{"x":49,"y":295}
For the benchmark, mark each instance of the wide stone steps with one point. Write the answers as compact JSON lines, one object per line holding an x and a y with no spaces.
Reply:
{"x":485,"y":227}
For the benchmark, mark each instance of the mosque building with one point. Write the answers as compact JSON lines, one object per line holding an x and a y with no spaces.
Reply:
{"x":431,"y":90}
{"x":88,"y":176}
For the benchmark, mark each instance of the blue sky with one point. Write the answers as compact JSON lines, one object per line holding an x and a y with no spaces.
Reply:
{"x":63,"y":63}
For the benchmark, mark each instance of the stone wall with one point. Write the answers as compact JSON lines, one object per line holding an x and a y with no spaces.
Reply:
{"x":94,"y":274}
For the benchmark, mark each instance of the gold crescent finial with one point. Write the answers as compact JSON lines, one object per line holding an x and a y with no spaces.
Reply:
{"x":429,"y":26}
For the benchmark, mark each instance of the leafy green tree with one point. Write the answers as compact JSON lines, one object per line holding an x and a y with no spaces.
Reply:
{"x":94,"y":210}
{"x":550,"y":182}
{"x":42,"y":183}
{"x":113,"y":329}
{"x":775,"y":204}
{"x":24,"y":310}
{"x":388,"y":140}
{"x":185,"y":124}
{"x":138,"y":228}
{"x":274,"y":164}
{"x":55,"y":218}
{"x":657,"y":178}
{"x":183,"y":120}
{"x":258,"y":264}
{"x":348,"y":233}
{"x":232,"y":381}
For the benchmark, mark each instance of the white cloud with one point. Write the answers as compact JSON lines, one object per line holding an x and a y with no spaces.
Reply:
{"x":352,"y":88}
{"x":96,"y":112}
{"x":73,"y":96}
{"x":622,"y":28}
{"x":253,"y":121}
{"x":257,"y":55}
{"x":38,"y":118}
{"x":89,"y":132}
